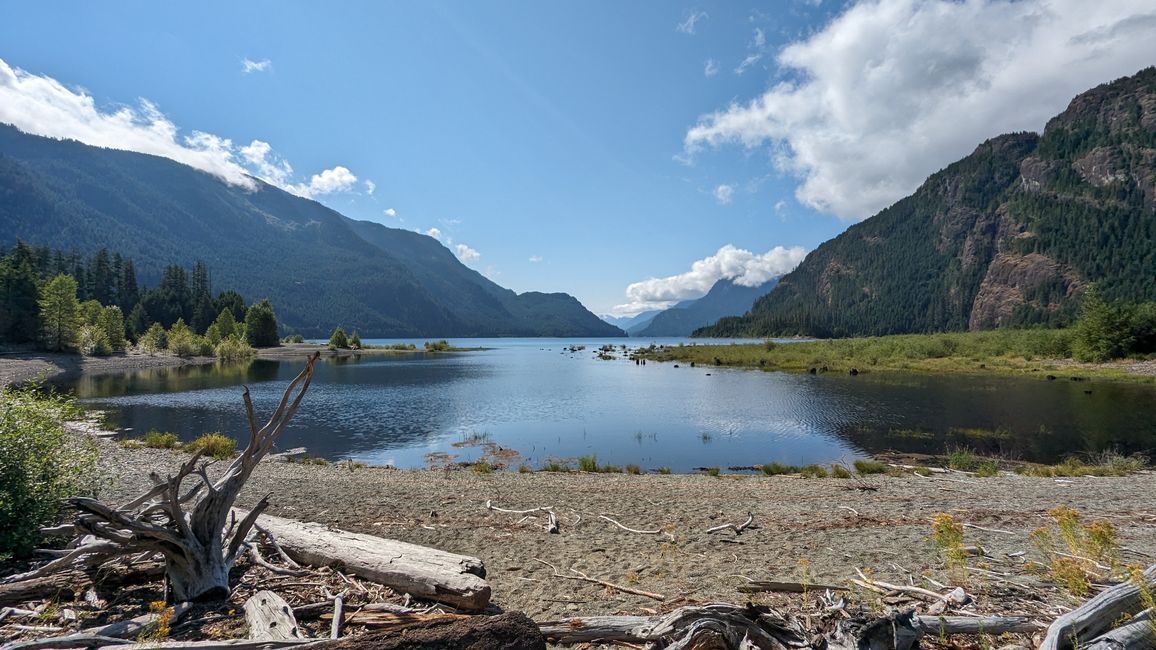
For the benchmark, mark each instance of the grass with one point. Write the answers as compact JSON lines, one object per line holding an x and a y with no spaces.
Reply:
{"x":966,"y":460}
{"x":663,"y":470}
{"x":1032,"y":352}
{"x":555,"y":466}
{"x":633,"y":469}
{"x":865,"y":467}
{"x":590,"y":464}
{"x":813,"y":471}
{"x":839,"y":471}
{"x":160,"y":440}
{"x":1092,"y":550}
{"x":1104,"y":464}
{"x":214,"y":445}
{"x":776,"y":469}
{"x":947,"y":537}
{"x":482,"y":467}
{"x":713,"y":471}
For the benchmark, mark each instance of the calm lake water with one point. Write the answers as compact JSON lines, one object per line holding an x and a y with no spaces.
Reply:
{"x":540,"y":399}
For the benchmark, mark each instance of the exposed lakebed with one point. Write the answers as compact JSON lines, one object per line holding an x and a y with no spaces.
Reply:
{"x":546,"y":401}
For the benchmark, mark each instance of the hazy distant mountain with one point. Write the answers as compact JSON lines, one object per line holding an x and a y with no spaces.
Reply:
{"x":320,"y":269}
{"x":627,"y":322}
{"x":1008,"y":236}
{"x":725,"y":298}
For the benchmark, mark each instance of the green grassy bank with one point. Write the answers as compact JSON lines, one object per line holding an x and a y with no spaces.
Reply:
{"x":1034,"y":352}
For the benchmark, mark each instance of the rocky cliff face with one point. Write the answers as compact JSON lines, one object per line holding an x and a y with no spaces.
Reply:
{"x":1010,"y":235}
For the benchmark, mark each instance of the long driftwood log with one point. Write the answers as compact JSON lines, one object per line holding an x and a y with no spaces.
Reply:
{"x":1138,"y":633}
{"x":421,"y":571}
{"x":1099,"y":614}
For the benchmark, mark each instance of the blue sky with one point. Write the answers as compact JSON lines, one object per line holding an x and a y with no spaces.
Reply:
{"x":628,"y":153}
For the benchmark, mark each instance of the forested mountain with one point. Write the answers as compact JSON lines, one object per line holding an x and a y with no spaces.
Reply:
{"x":320,"y":268}
{"x":1010,"y":235}
{"x":725,"y":298}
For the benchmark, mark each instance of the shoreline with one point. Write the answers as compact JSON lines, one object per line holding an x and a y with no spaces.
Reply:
{"x":42,"y":367}
{"x":812,"y":530}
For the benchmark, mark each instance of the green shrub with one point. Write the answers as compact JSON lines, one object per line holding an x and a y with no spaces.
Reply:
{"x":338,"y":341}
{"x":633,"y":469}
{"x":838,"y":471}
{"x":555,"y":466}
{"x":40,"y":466}
{"x":813,"y":471}
{"x":160,"y":440}
{"x":215,"y":445}
{"x":774,"y":469}
{"x":153,"y":340}
{"x":355,"y":340}
{"x":663,"y":470}
{"x":92,"y":341}
{"x":234,"y":348}
{"x":437,"y":346}
{"x":713,"y":471}
{"x":865,"y":467}
{"x":588,"y":463}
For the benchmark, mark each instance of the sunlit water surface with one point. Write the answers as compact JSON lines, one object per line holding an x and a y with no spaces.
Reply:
{"x":545,"y":402}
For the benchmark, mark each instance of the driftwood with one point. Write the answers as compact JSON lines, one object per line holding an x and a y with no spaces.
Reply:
{"x":759,"y":586}
{"x":1138,"y":633}
{"x":684,"y":627}
{"x":131,"y":628}
{"x":511,"y":631}
{"x":424,"y":572}
{"x":767,"y":628}
{"x":189,"y":527}
{"x":738,"y":528}
{"x":71,"y":582}
{"x":270,"y":618}
{"x":578,"y":575}
{"x":1097,"y":616}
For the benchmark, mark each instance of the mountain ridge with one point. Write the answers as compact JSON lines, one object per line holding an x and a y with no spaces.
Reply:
{"x":725,"y":298}
{"x":1010,"y":235}
{"x":312,"y":262}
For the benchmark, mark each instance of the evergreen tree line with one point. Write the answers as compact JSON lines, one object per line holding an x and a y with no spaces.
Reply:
{"x":94,"y":305}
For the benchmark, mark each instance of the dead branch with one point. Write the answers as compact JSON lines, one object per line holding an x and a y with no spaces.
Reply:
{"x":737,"y":528}
{"x":585,"y":578}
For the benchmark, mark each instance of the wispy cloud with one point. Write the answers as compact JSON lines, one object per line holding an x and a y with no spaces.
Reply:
{"x":689,"y":25}
{"x":249,"y":66}
{"x":724,"y":193}
{"x":757,"y":49}
{"x":729,"y":263}
{"x":435,"y":233}
{"x":41,"y":105}
{"x":390,"y":212}
{"x":534,"y":259}
{"x":892,"y":90}
{"x":710,"y":68}
{"x":370,"y":187}
{"x":466,"y":254}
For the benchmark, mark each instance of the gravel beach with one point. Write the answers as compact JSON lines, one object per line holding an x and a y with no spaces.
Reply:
{"x":829,"y":526}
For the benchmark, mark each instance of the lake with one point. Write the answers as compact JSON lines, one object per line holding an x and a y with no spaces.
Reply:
{"x":544,"y":401}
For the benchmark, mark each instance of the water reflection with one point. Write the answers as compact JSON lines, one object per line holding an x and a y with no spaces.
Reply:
{"x":547,"y":402}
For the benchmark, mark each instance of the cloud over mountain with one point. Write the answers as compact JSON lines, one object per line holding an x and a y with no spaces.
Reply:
{"x":892,"y":90}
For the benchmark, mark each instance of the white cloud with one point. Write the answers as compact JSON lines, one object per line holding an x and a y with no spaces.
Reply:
{"x":758,"y":49}
{"x":780,"y":205}
{"x":891,"y":90}
{"x":724,"y":193}
{"x":731,"y":263}
{"x":710,"y":69}
{"x":249,"y":66}
{"x":688,"y":26}
{"x":466,"y":254}
{"x":435,"y":233}
{"x":370,"y":187}
{"x":390,"y":212}
{"x":41,"y":105}
{"x":534,"y":259}
{"x":268,"y":166}
{"x":329,"y":181}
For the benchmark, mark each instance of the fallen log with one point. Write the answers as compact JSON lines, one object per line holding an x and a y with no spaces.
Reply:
{"x":131,"y":628}
{"x":511,"y":631}
{"x":729,"y":623}
{"x":1097,"y":616}
{"x":270,"y":618}
{"x":73,"y":582}
{"x":421,"y":571}
{"x":1136,"y":634}
{"x":949,"y":625}
{"x":759,"y":586}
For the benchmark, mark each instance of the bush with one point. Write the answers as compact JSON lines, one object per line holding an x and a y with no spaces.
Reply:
{"x":437,"y":346}
{"x":233,"y":349}
{"x":588,"y":463}
{"x":337,"y":340}
{"x":40,"y":466}
{"x":153,"y":340}
{"x":838,"y":471}
{"x":161,"y":440}
{"x":775,"y":469}
{"x":92,"y":341}
{"x":214,"y":445}
{"x":870,"y":467}
{"x":813,"y":471}
{"x":355,"y":340}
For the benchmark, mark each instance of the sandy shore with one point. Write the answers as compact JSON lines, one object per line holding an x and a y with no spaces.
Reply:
{"x":830,"y":525}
